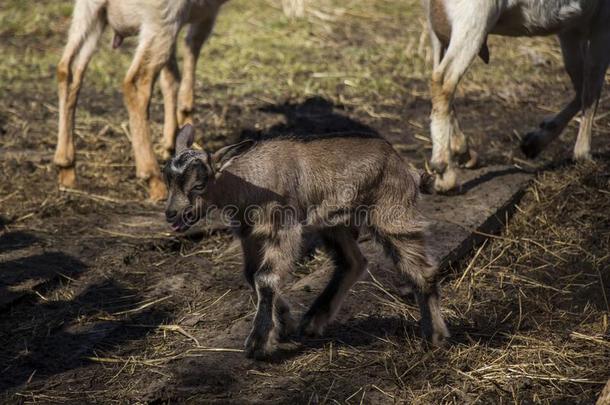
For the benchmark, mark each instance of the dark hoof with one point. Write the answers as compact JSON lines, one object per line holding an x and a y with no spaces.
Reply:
{"x":256,"y":353}
{"x":549,"y":125}
{"x":531,"y":145}
{"x":438,"y":167}
{"x":309,"y":328}
{"x":469,"y":159}
{"x":286,"y":329}
{"x":259,"y":348}
{"x":426,"y":183}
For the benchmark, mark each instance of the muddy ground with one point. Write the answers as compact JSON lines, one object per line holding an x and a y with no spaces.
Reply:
{"x":100,"y":303}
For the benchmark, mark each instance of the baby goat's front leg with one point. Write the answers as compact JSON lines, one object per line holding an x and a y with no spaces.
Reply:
{"x":272,"y":313}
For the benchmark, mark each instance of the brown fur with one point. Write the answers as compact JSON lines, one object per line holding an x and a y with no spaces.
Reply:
{"x":154,"y":55}
{"x":334,"y":186}
{"x":440,"y":21}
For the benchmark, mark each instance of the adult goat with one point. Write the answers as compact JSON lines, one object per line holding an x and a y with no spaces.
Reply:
{"x":459,"y":30}
{"x":157,"y":23}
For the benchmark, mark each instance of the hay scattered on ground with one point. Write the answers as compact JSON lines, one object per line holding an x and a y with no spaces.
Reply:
{"x":134,"y":314}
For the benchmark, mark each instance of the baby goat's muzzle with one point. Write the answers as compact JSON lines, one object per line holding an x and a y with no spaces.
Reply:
{"x":180,"y":221}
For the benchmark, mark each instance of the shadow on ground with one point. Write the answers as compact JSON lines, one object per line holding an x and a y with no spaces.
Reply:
{"x":314,"y":118}
{"x":61,"y":335}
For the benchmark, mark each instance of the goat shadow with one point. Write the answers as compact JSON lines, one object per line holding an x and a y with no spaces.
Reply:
{"x":314,"y":118}
{"x":65,"y":343}
{"x":318,"y":118}
{"x":58,"y":335}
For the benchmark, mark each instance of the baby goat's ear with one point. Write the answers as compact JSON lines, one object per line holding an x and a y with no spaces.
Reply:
{"x":223,"y":157}
{"x":185,"y":138}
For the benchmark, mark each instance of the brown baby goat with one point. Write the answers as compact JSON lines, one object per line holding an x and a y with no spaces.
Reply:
{"x":275,"y":190}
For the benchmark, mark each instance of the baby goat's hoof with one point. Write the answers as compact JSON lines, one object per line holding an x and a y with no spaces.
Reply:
{"x":312,"y":326}
{"x":260,"y":347}
{"x":437,"y":336}
{"x":287,"y":327}
{"x":531,"y":146}
{"x":582,"y":156}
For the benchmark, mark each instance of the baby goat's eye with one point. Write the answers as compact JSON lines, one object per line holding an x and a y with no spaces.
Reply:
{"x":198,"y":187}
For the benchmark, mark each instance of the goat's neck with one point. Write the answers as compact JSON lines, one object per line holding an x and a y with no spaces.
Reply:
{"x":222,"y":192}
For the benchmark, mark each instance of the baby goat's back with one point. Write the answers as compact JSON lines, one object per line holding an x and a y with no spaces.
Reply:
{"x":340,"y":171}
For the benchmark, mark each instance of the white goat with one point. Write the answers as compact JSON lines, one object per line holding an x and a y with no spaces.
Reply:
{"x":459,"y":30}
{"x":157,"y":23}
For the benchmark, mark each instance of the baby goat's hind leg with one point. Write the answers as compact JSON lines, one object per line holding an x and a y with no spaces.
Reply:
{"x":597,"y":59}
{"x":350,"y":264}
{"x":572,"y":50}
{"x":408,"y":252}
{"x":85,"y":31}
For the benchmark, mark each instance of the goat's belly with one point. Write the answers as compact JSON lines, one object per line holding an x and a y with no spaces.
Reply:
{"x":327,"y":216}
{"x":521,"y":31}
{"x":510,"y":29}
{"x":529,"y":18}
{"x":124,"y":18}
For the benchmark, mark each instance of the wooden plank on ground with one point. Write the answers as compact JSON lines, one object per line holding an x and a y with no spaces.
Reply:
{"x":487,"y":197}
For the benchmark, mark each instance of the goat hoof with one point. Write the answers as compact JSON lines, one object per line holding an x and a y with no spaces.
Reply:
{"x":469,"y":159}
{"x":438,"y":166}
{"x":437,"y":337}
{"x":531,"y":146}
{"x":259,"y":348}
{"x":287,"y":328}
{"x":67,"y":177}
{"x":156,"y":189}
{"x":312,"y":327}
{"x":445,"y":182}
{"x":256,"y":353}
{"x":583,"y":156}
{"x":167,"y":154}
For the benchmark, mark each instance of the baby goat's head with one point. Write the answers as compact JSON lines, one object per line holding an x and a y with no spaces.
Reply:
{"x":187,"y":176}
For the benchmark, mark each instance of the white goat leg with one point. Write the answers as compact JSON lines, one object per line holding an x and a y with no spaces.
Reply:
{"x":466,"y":41}
{"x":596,"y":63}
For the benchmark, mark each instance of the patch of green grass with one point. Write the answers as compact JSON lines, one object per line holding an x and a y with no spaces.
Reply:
{"x":344,"y":51}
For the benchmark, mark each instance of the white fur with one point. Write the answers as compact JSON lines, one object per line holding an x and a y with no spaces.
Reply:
{"x":584,"y":30}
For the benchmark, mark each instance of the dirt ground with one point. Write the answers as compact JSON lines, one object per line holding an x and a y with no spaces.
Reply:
{"x":100,"y":303}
